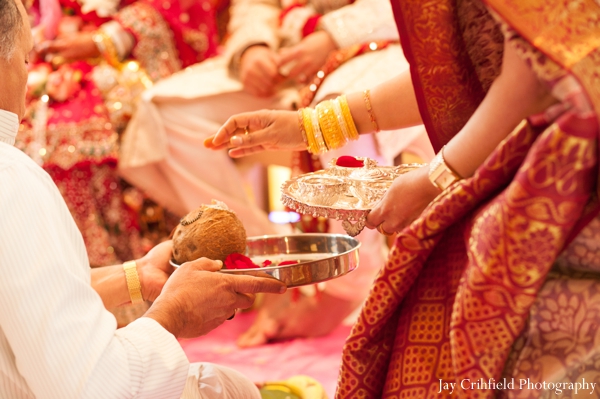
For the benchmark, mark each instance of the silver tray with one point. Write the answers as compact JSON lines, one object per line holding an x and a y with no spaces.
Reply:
{"x":346,"y":194}
{"x":321,"y":257}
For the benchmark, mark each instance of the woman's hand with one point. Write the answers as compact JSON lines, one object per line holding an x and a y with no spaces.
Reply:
{"x":306,"y":57}
{"x":253,"y":132}
{"x":404,"y":201}
{"x":281,"y":318}
{"x":78,"y":46}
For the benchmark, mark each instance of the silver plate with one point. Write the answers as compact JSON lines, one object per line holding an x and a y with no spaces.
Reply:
{"x":321,"y":257}
{"x":339,"y":193}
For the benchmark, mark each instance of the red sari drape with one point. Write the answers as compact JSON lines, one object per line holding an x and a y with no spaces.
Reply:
{"x":458,"y":285}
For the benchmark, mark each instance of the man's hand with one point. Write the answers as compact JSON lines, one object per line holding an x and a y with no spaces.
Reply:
{"x":266,"y":130}
{"x":194,"y":300}
{"x":259,"y":70}
{"x":281,"y":318}
{"x":78,"y":46}
{"x":154,"y":270}
{"x":307,"y":56}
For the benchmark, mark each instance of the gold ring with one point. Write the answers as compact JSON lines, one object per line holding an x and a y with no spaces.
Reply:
{"x":382,"y":231}
{"x":57,"y":61}
{"x":233,"y":315}
{"x":246,"y":130}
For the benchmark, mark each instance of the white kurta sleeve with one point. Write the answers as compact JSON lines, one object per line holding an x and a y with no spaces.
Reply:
{"x":211,"y":381}
{"x":64,"y":342}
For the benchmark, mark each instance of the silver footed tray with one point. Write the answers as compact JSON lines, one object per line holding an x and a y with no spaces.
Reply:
{"x":346,"y":193}
{"x":299,"y":259}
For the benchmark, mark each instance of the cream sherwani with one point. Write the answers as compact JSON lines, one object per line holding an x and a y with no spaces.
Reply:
{"x":56,"y":338}
{"x":162,"y":150}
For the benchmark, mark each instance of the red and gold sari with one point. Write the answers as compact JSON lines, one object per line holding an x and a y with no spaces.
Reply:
{"x":76,"y":139}
{"x":497,"y":281}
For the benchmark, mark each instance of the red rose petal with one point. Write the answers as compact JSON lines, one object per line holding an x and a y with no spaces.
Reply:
{"x":349,"y":162}
{"x":239,"y":261}
{"x":267,"y":263}
{"x":288,"y":262}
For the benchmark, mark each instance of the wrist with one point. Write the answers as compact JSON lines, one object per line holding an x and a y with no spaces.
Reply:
{"x":441,"y":174}
{"x":238,"y":58}
{"x":166,"y":319}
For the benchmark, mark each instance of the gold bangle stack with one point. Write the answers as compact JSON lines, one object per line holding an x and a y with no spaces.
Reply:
{"x":106,"y":47}
{"x":327,"y":127}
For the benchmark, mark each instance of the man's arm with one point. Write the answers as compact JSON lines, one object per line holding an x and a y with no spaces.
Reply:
{"x":153,"y":271}
{"x":65,"y":342}
{"x":63,"y":339}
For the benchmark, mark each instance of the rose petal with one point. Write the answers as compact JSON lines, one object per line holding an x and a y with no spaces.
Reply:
{"x":349,"y":162}
{"x":288,"y":262}
{"x":239,"y":261}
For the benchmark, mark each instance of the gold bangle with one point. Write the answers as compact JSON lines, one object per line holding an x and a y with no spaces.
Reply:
{"x":340,"y":118}
{"x":312,"y":146}
{"x":348,"y":117}
{"x":321,"y":144}
{"x":133,"y":282}
{"x":441,"y":174}
{"x":107,"y":48}
{"x":332,"y":133}
{"x":301,"y":126}
{"x":367,"y":98}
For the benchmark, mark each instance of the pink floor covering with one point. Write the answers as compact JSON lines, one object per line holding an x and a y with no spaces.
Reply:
{"x":316,"y":357}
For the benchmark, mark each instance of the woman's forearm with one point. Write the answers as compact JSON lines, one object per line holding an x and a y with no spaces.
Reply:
{"x":393,"y":102}
{"x":515,"y":95}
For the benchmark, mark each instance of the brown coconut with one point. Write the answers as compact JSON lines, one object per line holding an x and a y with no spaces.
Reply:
{"x":211,"y":231}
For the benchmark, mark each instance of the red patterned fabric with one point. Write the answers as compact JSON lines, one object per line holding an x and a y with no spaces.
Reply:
{"x":460,"y":281}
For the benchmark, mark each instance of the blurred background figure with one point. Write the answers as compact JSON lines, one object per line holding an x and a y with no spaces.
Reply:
{"x":92,"y":59}
{"x":278,"y":55}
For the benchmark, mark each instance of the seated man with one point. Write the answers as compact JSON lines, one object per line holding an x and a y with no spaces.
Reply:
{"x":57,"y":340}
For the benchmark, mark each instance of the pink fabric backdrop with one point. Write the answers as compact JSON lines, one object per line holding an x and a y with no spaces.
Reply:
{"x":319,"y":358}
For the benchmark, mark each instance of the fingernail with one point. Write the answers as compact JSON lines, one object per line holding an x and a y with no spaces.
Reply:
{"x":220,"y":262}
{"x":282,"y":289}
{"x":236,"y":141}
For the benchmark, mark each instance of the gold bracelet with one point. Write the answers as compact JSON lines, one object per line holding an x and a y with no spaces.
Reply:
{"x":441,"y":174}
{"x":348,"y":117}
{"x":312,"y":146}
{"x":332,"y":133}
{"x":301,"y":126}
{"x":133,"y":282}
{"x":340,"y":118}
{"x":107,"y":48}
{"x":367,"y":98}
{"x":321,"y":144}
